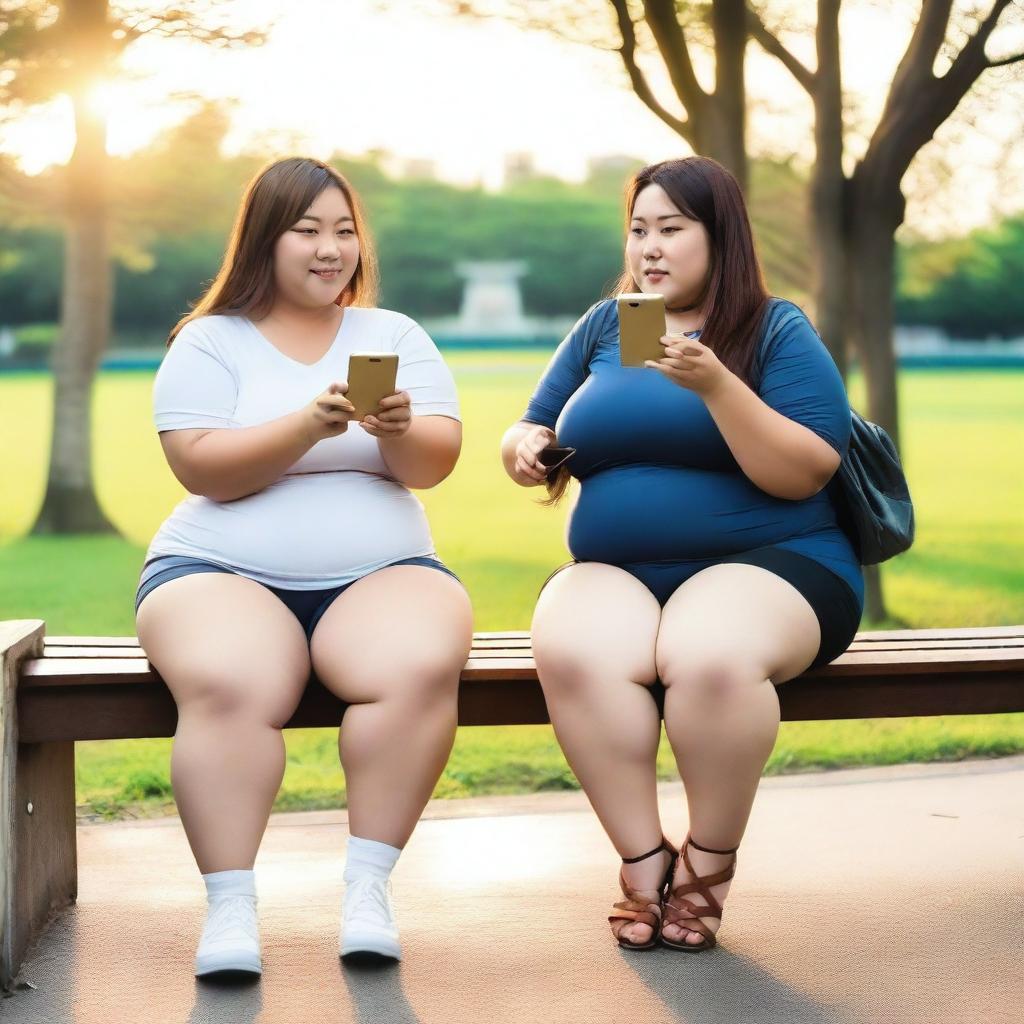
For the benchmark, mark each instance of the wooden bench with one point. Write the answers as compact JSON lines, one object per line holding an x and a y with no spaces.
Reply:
{"x":57,"y":690}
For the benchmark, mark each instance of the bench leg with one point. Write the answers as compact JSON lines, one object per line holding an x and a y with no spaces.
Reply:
{"x":38,"y":855}
{"x":45,"y":851}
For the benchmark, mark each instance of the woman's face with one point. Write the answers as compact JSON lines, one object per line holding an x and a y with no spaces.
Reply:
{"x":314,"y":260}
{"x":666,"y":251}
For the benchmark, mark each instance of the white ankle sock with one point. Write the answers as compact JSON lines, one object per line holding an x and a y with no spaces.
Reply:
{"x":367,"y":857}
{"x":230,"y":883}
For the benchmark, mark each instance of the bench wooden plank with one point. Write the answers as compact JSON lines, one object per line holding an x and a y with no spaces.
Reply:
{"x":511,"y":664}
{"x":523,"y":649}
{"x":111,"y":711}
{"x":519,"y":638}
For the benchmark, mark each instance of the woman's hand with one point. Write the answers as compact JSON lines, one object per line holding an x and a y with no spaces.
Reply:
{"x":393,"y":418}
{"x":691,"y":365}
{"x":328,"y":414}
{"x":528,"y":470}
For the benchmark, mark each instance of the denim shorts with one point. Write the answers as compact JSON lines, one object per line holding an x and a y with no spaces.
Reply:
{"x":835,"y":604}
{"x":307,"y":605}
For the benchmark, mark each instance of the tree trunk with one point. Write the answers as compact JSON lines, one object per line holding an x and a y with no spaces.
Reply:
{"x":829,"y":191}
{"x":70,"y":505}
{"x":725,"y":127}
{"x":875,"y":214}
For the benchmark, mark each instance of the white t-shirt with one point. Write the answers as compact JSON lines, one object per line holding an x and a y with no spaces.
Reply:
{"x":336,"y":514}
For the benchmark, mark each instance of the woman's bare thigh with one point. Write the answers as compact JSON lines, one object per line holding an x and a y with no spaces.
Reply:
{"x":735,"y":611}
{"x":398,"y":627}
{"x":596,"y":618}
{"x":224,"y":642}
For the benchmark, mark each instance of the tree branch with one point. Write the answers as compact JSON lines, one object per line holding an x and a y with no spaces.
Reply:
{"x":923,"y":102}
{"x":671,"y":40}
{"x":948,"y":90}
{"x":771,"y":44}
{"x":628,"y":53}
{"x":916,"y":65}
{"x":1003,"y":61}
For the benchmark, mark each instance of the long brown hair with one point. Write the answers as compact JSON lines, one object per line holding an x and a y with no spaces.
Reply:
{"x":735,"y":293}
{"x":274,"y":200}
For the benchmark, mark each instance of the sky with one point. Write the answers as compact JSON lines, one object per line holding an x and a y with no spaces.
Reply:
{"x":358,"y":75}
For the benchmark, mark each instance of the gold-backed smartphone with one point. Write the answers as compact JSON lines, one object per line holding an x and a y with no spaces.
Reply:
{"x":371,"y":377}
{"x":641,"y":324}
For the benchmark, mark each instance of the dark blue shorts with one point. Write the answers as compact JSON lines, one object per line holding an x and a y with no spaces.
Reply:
{"x":835,"y":604}
{"x":308,"y":605}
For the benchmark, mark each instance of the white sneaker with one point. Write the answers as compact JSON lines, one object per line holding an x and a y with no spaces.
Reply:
{"x":230,"y":940}
{"x":368,"y":919}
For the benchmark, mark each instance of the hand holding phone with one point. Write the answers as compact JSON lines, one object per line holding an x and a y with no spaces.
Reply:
{"x":641,"y":327}
{"x":529,"y":469}
{"x":551,"y":457}
{"x":371,"y":377}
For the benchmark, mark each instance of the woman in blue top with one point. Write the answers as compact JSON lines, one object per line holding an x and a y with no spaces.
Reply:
{"x":708,"y":565}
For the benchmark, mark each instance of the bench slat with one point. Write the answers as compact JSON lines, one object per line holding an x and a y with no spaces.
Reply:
{"x":106,"y":711}
{"x":504,"y":664}
{"x":516,"y":638}
{"x":523,"y":647}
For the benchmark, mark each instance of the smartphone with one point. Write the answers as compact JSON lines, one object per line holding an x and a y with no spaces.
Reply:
{"x":641,"y":325}
{"x":371,"y":377}
{"x":552,"y":457}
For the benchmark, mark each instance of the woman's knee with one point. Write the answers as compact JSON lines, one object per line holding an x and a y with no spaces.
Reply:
{"x":708,"y":674}
{"x":229,"y":696}
{"x":594,"y":623}
{"x":578,"y":662}
{"x":250,"y":662}
{"x":424,"y":672}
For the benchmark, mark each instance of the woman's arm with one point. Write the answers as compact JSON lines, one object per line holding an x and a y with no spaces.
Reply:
{"x":521,"y":462}
{"x":784,"y":458}
{"x":425,"y":453}
{"x":778,"y":436}
{"x":226,"y":464}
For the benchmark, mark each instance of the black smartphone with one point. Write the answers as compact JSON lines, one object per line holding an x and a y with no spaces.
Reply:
{"x":552,"y":458}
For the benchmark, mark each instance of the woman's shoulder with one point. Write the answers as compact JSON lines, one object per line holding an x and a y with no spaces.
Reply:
{"x":602,"y":313}
{"x":387,"y":322}
{"x":213,"y":332}
{"x":211,"y":326}
{"x":780,"y":309}
{"x":596,"y":322}
{"x":785,"y":323}
{"x":791,"y":344}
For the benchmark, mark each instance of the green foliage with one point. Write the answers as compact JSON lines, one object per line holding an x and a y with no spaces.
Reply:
{"x":172,"y":207}
{"x":969,"y":286}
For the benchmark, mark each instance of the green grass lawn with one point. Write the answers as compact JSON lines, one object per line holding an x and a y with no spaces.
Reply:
{"x":962,"y":435}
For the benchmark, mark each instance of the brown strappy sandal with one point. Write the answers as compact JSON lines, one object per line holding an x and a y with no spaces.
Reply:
{"x":639,"y":909}
{"x":677,"y":910}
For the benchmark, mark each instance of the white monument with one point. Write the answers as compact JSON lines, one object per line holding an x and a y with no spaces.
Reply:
{"x":492,"y":307}
{"x":492,"y":303}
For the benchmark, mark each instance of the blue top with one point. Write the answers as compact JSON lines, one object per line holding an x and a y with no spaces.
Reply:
{"x":657,"y":479}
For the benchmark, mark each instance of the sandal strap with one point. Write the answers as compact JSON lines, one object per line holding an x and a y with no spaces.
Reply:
{"x":694,"y":924}
{"x":702,"y":882}
{"x":674,"y":914}
{"x":627,"y":911}
{"x":674,"y":911}
{"x":663,"y":845}
{"x":707,"y":849}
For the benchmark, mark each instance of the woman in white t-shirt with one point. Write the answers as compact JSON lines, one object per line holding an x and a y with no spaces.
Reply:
{"x":301,"y":547}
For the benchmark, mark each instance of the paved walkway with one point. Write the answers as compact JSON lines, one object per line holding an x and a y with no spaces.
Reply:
{"x":888,"y":895}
